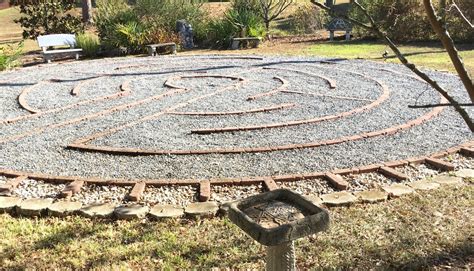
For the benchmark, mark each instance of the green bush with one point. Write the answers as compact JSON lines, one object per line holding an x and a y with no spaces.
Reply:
{"x":89,"y":43}
{"x":458,"y":28}
{"x":148,"y":21}
{"x":405,"y":20}
{"x":308,"y":19}
{"x":47,"y":17}
{"x":10,"y":56}
{"x":239,"y":21}
{"x":402,"y":20}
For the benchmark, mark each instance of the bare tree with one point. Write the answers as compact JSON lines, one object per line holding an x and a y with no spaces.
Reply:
{"x":271,"y":9}
{"x":374,"y":28}
{"x":87,"y":11}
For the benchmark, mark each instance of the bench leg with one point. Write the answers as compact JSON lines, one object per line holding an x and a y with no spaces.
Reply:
{"x":150,"y":51}
{"x":77,"y":56}
{"x":174,"y":49}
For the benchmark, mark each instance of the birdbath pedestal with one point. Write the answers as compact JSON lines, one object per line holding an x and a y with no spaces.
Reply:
{"x":277,"y":218}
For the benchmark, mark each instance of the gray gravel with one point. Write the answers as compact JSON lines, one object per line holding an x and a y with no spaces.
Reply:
{"x":308,"y":187}
{"x":367,"y":181}
{"x":45,"y":152}
{"x":226,"y":193}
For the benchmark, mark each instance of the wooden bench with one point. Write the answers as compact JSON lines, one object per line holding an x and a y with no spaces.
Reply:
{"x":53,"y":40}
{"x":255,"y":41}
{"x":152,"y":47}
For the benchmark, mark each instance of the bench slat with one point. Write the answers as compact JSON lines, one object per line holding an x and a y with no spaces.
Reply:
{"x":57,"y":40}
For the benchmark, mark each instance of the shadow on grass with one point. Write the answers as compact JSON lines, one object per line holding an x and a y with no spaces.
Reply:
{"x":457,"y":257}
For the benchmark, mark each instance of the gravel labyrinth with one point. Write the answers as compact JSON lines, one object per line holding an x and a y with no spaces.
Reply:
{"x":182,"y":120}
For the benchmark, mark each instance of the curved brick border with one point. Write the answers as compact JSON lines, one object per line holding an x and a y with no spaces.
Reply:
{"x":332,"y":83}
{"x":256,"y":110}
{"x":378,"y":101}
{"x":124,"y":91}
{"x":284,"y":85}
{"x":80,"y":143}
{"x":76,"y":90}
{"x":230,"y":181}
{"x":22,"y":97}
{"x":93,"y":115}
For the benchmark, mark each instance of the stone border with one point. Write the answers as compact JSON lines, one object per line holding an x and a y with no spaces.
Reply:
{"x":42,"y":207}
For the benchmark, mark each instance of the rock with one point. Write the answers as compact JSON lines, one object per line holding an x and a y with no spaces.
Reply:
{"x":316,"y":200}
{"x":34,"y":207}
{"x":100,"y":210}
{"x":447,"y":180}
{"x":166,"y":211}
{"x":64,"y":208}
{"x":133,"y":211}
{"x":398,"y":190}
{"x":465,"y":173}
{"x":8,"y":204}
{"x":424,"y":185}
{"x":338,"y":199}
{"x":371,"y":196}
{"x":202,"y":209}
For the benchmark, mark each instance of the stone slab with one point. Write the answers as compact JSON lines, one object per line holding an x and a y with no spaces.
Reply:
{"x":99,"y":210}
{"x":465,"y":173}
{"x":8,"y":204}
{"x":64,"y":208}
{"x":423,"y":185}
{"x":166,"y":211}
{"x":202,"y":209}
{"x":130,"y":212}
{"x":447,"y":180}
{"x":398,"y":190}
{"x":371,"y":196}
{"x":34,"y":207}
{"x":338,"y":199}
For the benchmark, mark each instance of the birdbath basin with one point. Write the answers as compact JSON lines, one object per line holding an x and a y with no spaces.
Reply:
{"x":277,"y":218}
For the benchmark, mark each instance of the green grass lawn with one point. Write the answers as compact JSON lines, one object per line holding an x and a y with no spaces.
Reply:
{"x":415,"y":232}
{"x":428,"y":54}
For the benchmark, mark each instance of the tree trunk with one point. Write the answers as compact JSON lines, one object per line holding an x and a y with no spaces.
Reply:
{"x":449,"y":46}
{"x":87,"y":11}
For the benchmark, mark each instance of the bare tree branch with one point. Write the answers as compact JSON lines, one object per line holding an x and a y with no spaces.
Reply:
{"x":454,"y":5}
{"x":375,"y":29}
{"x":448,"y":44}
{"x":437,"y":105}
{"x":271,"y":9}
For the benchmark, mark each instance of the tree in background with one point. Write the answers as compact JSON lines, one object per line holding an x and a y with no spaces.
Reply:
{"x":271,"y":9}
{"x":87,"y":11}
{"x":47,"y":17}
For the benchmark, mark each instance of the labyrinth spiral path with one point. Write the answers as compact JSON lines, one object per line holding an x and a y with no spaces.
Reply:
{"x":217,"y":120}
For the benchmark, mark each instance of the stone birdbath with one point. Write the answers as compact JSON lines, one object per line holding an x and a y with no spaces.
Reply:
{"x":277,"y":218}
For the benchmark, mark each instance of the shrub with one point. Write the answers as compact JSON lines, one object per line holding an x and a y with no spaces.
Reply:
{"x":148,"y":21}
{"x":308,"y":19}
{"x":10,"y":56}
{"x":405,"y":20}
{"x":241,"y":20}
{"x":47,"y":17}
{"x":89,"y":44}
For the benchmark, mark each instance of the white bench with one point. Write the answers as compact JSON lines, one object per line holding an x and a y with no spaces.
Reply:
{"x":62,"y":40}
{"x":152,"y":47}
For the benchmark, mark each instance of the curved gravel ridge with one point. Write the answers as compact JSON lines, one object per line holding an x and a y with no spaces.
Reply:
{"x":44,"y":150}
